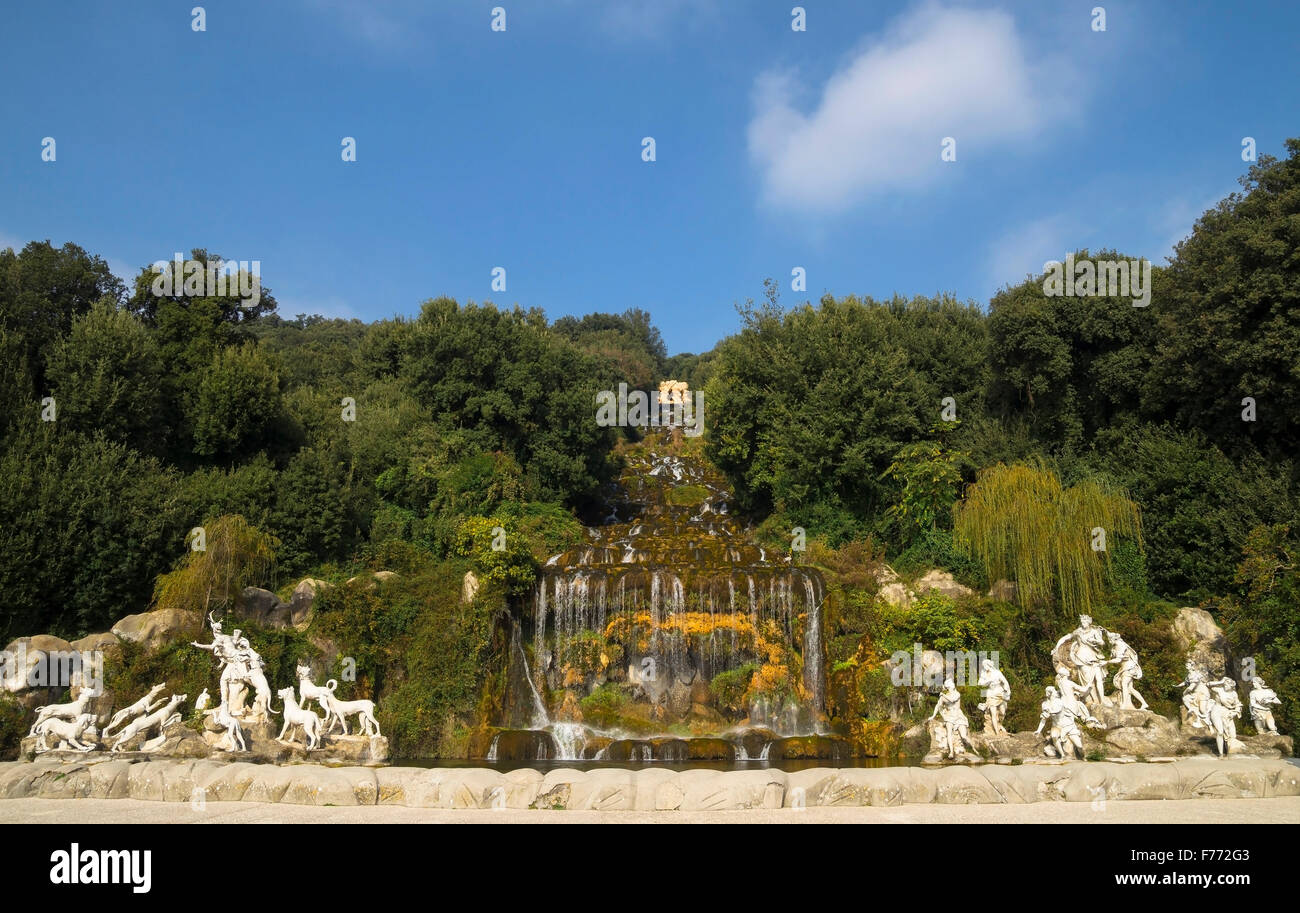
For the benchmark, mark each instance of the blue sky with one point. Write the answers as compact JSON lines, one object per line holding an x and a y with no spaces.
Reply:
{"x":522,"y":149}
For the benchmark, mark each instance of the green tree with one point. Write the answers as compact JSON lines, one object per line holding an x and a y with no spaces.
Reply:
{"x":238,"y":403}
{"x":1022,"y":524}
{"x":499,"y":556}
{"x":505,"y":379}
{"x":43,"y":288}
{"x":235,"y":555}
{"x":1069,"y":364}
{"x":85,"y":525}
{"x":1229,"y":318}
{"x":927,"y":475}
{"x":806,"y":409}
{"x":1197,"y":503}
{"x":107,"y":374}
{"x":1261,"y":622}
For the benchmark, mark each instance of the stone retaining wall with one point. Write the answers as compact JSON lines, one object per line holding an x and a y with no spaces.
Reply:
{"x":647,"y":789}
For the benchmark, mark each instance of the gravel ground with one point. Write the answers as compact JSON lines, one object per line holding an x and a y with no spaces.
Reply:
{"x":1190,"y":811}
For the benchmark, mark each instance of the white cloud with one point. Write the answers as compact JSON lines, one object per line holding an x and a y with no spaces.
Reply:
{"x":1022,"y":251}
{"x":880,"y":119}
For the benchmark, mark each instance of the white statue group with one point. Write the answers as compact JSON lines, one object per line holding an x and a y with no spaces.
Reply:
{"x":1213,"y":704}
{"x":1080,"y":659}
{"x":69,"y":726}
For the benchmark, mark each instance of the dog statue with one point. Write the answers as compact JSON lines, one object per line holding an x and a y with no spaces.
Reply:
{"x":341,"y":710}
{"x":139,"y":708}
{"x":69,"y":733}
{"x":298,"y":716}
{"x":161,"y":718}
{"x":69,"y":711}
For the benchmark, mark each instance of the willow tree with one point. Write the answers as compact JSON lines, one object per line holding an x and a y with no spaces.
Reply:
{"x":1021,"y":524}
{"x":226,"y":555}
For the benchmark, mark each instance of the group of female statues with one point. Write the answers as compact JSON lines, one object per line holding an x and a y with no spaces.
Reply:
{"x":1081,"y":659}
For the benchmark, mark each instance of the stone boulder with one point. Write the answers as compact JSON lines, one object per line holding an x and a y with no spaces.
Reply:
{"x":1199,"y":636}
{"x":102,"y":642}
{"x":304,"y":595}
{"x":153,"y":629}
{"x":178,"y":741}
{"x":1133,"y":733}
{"x":370,"y":581}
{"x":943,"y":582}
{"x":24,"y":662}
{"x":892,"y":589}
{"x":264,"y":607}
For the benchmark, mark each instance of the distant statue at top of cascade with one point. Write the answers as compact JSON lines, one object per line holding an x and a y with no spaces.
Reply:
{"x":671,"y":406}
{"x":674,"y":392}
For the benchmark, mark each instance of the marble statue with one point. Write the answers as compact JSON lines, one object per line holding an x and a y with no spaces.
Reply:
{"x":1082,"y":651}
{"x":159,"y":719}
{"x":957,"y":728}
{"x":67,"y":733}
{"x":202,"y":701}
{"x":68,"y":711}
{"x":1262,"y":699}
{"x":307,"y":691}
{"x":1063,"y":712}
{"x":299,"y":716}
{"x":1196,"y":696}
{"x":997,"y":694}
{"x":233,"y":739}
{"x":1066,"y":686}
{"x":240,"y":668}
{"x":1225,"y":709}
{"x":145,"y":705}
{"x":1130,"y":670}
{"x":338,"y":711}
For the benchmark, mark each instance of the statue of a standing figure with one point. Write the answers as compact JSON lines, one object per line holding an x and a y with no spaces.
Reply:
{"x":957,"y":728}
{"x":1130,"y":670}
{"x":1225,"y":709}
{"x":1082,"y":651}
{"x":1063,"y":711}
{"x":1196,"y":696}
{"x":241,"y":667}
{"x":997,"y":694}
{"x":1262,"y":699}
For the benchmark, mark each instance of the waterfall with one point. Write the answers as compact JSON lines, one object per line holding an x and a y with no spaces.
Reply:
{"x":648,"y":584}
{"x":814,"y":676}
{"x":540,"y":717}
{"x":570,"y":740}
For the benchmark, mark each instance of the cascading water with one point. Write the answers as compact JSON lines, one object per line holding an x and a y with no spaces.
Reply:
{"x":540,"y":717}
{"x":644,"y":616}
